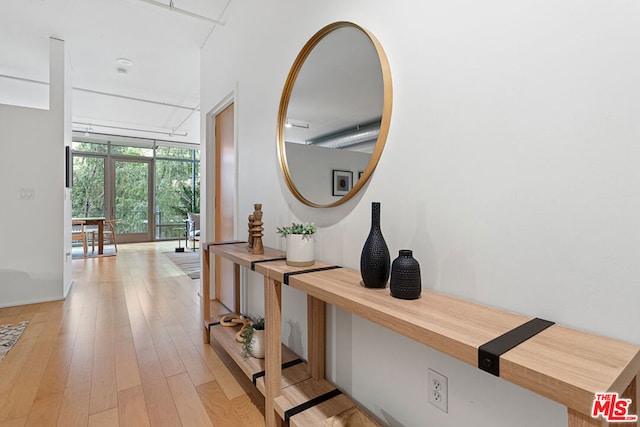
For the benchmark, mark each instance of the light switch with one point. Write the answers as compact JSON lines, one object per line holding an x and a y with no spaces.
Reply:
{"x":27,"y":193}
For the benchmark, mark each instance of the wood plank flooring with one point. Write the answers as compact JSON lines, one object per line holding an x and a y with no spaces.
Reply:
{"x":124,"y":349}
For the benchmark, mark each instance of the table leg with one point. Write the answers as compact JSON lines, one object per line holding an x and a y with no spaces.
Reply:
{"x":576,"y":419}
{"x":100,"y":237}
{"x":316,"y":337}
{"x":205,"y":292}
{"x":632,"y":392}
{"x":273,"y":353}
{"x":236,"y":287}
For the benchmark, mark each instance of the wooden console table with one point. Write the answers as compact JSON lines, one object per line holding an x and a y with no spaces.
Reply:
{"x":562,"y":364}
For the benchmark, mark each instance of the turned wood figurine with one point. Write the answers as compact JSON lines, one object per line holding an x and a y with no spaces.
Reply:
{"x":257,"y":230}
{"x":250,"y":245}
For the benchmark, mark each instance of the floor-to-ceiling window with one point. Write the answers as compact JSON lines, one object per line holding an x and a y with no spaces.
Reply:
{"x":88,"y":193}
{"x":147,"y":185}
{"x":177,"y":188}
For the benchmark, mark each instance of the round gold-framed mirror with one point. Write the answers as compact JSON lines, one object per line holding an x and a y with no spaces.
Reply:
{"x":334,"y":115}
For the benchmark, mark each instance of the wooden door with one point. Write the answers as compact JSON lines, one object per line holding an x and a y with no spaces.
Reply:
{"x":225,"y":273}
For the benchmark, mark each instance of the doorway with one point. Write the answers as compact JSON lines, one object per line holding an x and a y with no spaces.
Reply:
{"x":130,"y":185}
{"x":225,"y":189}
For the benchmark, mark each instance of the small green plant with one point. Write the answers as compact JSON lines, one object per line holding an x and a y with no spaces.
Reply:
{"x":304,"y":229}
{"x":255,"y":325}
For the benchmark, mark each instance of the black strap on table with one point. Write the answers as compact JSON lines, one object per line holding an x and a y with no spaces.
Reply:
{"x":285,"y":278}
{"x":253,"y":263}
{"x":310,"y":404}
{"x":231,"y":242}
{"x":284,"y":366}
{"x":212,"y":324}
{"x":489,"y":353}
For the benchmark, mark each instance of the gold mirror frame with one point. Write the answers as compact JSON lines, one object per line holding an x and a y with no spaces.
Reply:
{"x":284,"y":104}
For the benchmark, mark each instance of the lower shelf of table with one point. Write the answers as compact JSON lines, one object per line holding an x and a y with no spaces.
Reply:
{"x":254,"y":368}
{"x":298,"y":387}
{"x":338,"y":410}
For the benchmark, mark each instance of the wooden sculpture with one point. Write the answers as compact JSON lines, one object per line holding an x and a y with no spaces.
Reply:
{"x":234,"y":320}
{"x":250,"y":245}
{"x":257,"y":230}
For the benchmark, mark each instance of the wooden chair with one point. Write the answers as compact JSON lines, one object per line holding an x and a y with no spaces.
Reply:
{"x":110,"y":233}
{"x":78,"y":234}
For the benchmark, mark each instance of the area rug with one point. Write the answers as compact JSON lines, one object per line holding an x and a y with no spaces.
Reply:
{"x":188,"y":262}
{"x":78,"y":253}
{"x":9,"y":335}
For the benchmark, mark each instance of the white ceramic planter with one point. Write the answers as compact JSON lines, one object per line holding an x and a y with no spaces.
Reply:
{"x":300,"y":250}
{"x":257,"y":344}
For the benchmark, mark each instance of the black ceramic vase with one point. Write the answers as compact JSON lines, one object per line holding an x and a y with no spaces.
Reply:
{"x":375,"y":261}
{"x":405,"y":276}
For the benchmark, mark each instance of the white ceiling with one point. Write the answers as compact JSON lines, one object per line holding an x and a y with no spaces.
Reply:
{"x":160,"y":91}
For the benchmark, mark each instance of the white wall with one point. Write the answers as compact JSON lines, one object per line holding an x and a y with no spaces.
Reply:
{"x":511,"y":170}
{"x":33,"y":266}
{"x":312,"y":168}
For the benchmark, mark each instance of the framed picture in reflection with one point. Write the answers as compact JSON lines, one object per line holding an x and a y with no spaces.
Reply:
{"x":342,"y":182}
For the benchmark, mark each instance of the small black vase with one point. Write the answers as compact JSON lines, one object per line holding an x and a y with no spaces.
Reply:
{"x":405,"y":276}
{"x":375,"y":261}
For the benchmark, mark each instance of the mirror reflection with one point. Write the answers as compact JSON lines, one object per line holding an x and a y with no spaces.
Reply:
{"x":330,"y":129}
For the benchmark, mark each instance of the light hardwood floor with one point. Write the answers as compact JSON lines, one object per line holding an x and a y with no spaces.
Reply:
{"x":124,"y":349}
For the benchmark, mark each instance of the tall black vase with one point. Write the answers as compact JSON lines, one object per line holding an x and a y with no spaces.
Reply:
{"x":375,"y":262}
{"x":405,"y":280}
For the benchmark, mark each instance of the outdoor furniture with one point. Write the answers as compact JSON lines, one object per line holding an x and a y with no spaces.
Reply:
{"x":193,"y":229}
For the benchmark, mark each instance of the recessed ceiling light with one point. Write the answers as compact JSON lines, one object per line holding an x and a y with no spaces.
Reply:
{"x":124,"y":62}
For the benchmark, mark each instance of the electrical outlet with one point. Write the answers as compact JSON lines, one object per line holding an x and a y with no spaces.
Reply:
{"x":438,"y":390}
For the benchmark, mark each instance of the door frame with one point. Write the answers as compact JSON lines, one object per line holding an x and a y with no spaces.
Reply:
{"x":208,"y":174}
{"x":110,"y":199}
